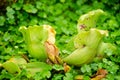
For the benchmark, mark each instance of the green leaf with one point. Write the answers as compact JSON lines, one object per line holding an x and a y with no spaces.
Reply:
{"x":62,"y":1}
{"x":29,"y":8}
{"x":2,"y":20}
{"x":33,"y":21}
{"x":68,"y":76}
{"x":37,"y":67}
{"x":5,"y":75}
{"x":38,"y":4}
{"x":57,"y":77}
{"x":17,"y":6}
{"x":10,"y":11}
{"x":11,"y":67}
{"x":86,"y":69}
{"x":35,"y":45}
{"x":113,"y":24}
{"x":42,"y":14}
{"x":10,"y":14}
{"x":42,"y":75}
{"x":20,"y":1}
{"x":58,"y":67}
{"x":6,"y":36}
{"x":86,"y":78}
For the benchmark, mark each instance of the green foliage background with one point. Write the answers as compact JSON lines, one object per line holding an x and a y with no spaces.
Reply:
{"x":63,"y":16}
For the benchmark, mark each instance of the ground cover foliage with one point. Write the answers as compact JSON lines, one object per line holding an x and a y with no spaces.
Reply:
{"x":62,"y":15}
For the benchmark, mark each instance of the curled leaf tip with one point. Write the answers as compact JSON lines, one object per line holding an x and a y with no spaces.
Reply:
{"x":88,"y":20}
{"x":52,"y":51}
{"x":51,"y":33}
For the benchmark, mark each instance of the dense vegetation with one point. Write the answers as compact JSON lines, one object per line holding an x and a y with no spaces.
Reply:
{"x":62,"y":15}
